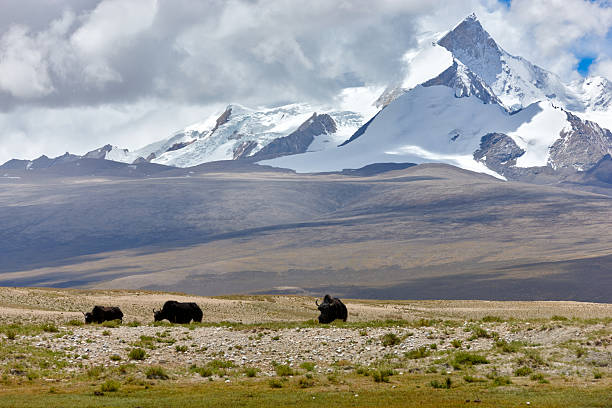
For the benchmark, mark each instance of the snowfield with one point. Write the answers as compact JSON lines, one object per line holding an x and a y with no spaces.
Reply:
{"x":430,"y":124}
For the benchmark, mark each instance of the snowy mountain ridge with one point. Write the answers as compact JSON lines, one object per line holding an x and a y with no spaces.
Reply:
{"x":530,"y":126}
{"x":463,"y":101}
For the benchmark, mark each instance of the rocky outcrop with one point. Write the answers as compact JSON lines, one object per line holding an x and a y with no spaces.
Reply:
{"x":179,"y":145}
{"x":465,"y":83}
{"x":223,"y":119}
{"x":244,"y":149}
{"x":499,"y":153}
{"x":299,"y":140}
{"x":581,"y":146}
{"x":99,"y":153}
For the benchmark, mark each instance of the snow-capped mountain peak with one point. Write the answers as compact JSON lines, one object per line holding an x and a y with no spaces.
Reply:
{"x":516,"y":82}
{"x":474,"y":47}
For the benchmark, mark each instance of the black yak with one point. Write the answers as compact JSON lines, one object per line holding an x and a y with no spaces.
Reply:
{"x":331,"y":309}
{"x":101,"y":314}
{"x":179,"y":312}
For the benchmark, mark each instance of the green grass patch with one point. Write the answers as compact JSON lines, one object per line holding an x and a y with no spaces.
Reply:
{"x":481,"y":333}
{"x":492,"y":319}
{"x":275,"y":383}
{"x":137,"y":354}
{"x":501,"y":380}
{"x":464,"y":358}
{"x":308,"y":365}
{"x":156,"y":373}
{"x":539,"y":377}
{"x":251,"y":371}
{"x":110,"y":386}
{"x":531,"y":358}
{"x":390,"y":339}
{"x":95,"y":372}
{"x":523,"y":371}
{"x":283,"y":370}
{"x":203,"y":371}
{"x":382,"y":374}
{"x":420,"y":352}
{"x":113,"y":324}
{"x":472,"y":379}
{"x":220,"y":364}
{"x":446,"y":384}
{"x":306,"y":381}
{"x":409,"y":392}
{"x":509,"y":347}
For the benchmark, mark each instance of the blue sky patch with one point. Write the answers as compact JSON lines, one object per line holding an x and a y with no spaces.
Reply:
{"x":506,"y":2}
{"x":584,"y":64}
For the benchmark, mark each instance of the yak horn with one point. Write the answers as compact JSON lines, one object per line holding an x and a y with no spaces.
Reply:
{"x":317,"y":302}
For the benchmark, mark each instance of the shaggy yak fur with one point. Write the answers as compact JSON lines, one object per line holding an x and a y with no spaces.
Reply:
{"x":179,"y":312}
{"x":331,"y":309}
{"x":101,"y":314}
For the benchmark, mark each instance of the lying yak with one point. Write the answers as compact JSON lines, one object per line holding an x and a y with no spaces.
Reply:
{"x":331,"y":309}
{"x":179,"y":312}
{"x":101,"y":314}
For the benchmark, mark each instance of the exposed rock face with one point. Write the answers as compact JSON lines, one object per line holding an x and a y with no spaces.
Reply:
{"x":473,"y":46}
{"x":299,"y":140}
{"x":389,"y":95}
{"x":99,"y":153}
{"x":179,"y":145}
{"x":141,"y":159}
{"x":514,"y":80}
{"x":223,"y":119}
{"x":580,"y":147}
{"x":244,"y":149}
{"x":498,"y":152}
{"x":465,"y":83}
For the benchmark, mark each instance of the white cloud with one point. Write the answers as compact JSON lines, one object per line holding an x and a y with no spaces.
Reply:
{"x":550,"y":32}
{"x":602,"y":67}
{"x":23,"y":66}
{"x":109,"y":28}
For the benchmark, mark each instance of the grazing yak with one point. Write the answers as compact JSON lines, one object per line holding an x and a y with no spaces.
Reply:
{"x":101,"y":314}
{"x":179,"y":312}
{"x":331,"y":309}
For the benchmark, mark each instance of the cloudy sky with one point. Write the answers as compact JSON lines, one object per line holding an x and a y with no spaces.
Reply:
{"x":77,"y":74}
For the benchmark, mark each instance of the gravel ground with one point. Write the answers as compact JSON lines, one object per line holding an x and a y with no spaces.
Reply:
{"x":263,"y":345}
